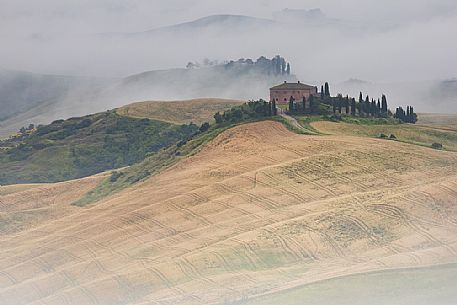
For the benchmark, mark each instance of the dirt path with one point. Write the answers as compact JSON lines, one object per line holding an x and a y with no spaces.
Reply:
{"x":297,"y":125}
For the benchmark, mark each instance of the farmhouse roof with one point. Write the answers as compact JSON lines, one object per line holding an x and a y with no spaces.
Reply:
{"x":292,"y":86}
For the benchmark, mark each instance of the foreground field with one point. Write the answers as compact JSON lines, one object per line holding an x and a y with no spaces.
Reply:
{"x":410,"y":286}
{"x":197,"y":111}
{"x":257,"y":212}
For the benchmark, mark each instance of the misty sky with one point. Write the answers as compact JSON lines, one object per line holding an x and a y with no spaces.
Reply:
{"x":403,"y":40}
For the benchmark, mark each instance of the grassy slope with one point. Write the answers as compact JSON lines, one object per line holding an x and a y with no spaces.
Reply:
{"x":152,"y":165}
{"x":437,"y":119}
{"x":85,"y":146}
{"x":413,"y":134}
{"x":409,"y":286}
{"x":419,"y":134}
{"x":160,"y":161}
{"x":179,"y":112}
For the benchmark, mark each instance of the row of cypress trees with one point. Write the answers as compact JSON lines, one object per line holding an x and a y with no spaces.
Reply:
{"x":364,"y":107}
{"x":408,"y":116}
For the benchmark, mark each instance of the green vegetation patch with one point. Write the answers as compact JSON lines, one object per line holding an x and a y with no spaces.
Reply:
{"x":80,"y":147}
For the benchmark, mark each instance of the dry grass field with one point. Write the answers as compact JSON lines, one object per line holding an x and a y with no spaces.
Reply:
{"x":180,"y":112}
{"x":424,"y":135}
{"x":437,"y":119}
{"x":258,"y":211}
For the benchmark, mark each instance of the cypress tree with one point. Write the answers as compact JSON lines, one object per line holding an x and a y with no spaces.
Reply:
{"x":378,"y":108}
{"x":313,"y":105}
{"x":353,"y":106}
{"x":304,"y":104}
{"x":361,"y":107}
{"x":384,"y":108}
{"x":367,"y":106}
{"x":327,"y":90}
{"x":340,"y":103}
{"x":288,"y":69}
{"x":291,"y":105}
{"x":273,"y":106}
{"x":346,"y":104}
{"x":413,"y":116}
{"x":322,"y":92}
{"x":373,"y":107}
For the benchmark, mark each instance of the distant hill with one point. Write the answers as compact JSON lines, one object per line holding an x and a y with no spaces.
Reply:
{"x":230,"y":23}
{"x":63,"y":97}
{"x":21,"y":91}
{"x":303,"y":16}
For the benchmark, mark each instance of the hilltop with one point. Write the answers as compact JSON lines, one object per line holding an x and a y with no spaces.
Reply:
{"x":258,"y":210}
{"x":179,"y":112}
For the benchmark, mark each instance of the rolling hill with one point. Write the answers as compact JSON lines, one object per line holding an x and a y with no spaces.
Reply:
{"x":255,"y":216}
{"x":179,"y":112}
{"x":241,"y":80}
{"x":215,"y":23}
{"x":84,"y":146}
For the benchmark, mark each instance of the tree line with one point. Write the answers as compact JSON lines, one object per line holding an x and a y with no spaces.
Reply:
{"x":249,"y":110}
{"x":325,"y":104}
{"x":409,"y":116}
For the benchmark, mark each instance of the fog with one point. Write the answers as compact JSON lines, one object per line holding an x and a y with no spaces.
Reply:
{"x":389,"y":41}
{"x":384,"y":44}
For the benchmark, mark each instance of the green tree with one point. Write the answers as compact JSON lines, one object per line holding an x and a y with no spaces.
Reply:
{"x":340,"y":103}
{"x":384,"y":108}
{"x":218,"y":117}
{"x":327,"y":90}
{"x":353,"y":107}
{"x":204,"y":127}
{"x":361,"y":104}
{"x":373,"y":108}
{"x":367,"y":106}
{"x":291,"y":105}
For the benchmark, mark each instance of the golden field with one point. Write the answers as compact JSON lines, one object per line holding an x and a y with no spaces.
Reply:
{"x":179,"y":112}
{"x":257,"y":212}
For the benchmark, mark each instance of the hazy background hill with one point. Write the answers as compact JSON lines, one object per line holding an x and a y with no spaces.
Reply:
{"x":41,"y":99}
{"x":21,"y":91}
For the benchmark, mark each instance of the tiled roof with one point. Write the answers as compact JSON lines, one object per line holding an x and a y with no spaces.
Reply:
{"x":292,"y":86}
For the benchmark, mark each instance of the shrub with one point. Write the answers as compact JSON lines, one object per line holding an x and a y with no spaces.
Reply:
{"x":115,"y":175}
{"x":392,"y":137}
{"x":204,"y":127}
{"x":335,"y":118}
{"x":437,"y":146}
{"x":382,"y":136}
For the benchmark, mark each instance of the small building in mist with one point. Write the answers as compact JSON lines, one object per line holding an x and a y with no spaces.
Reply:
{"x":282,"y":93}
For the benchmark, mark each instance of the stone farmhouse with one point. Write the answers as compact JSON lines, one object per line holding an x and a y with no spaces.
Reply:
{"x":282,"y":93}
